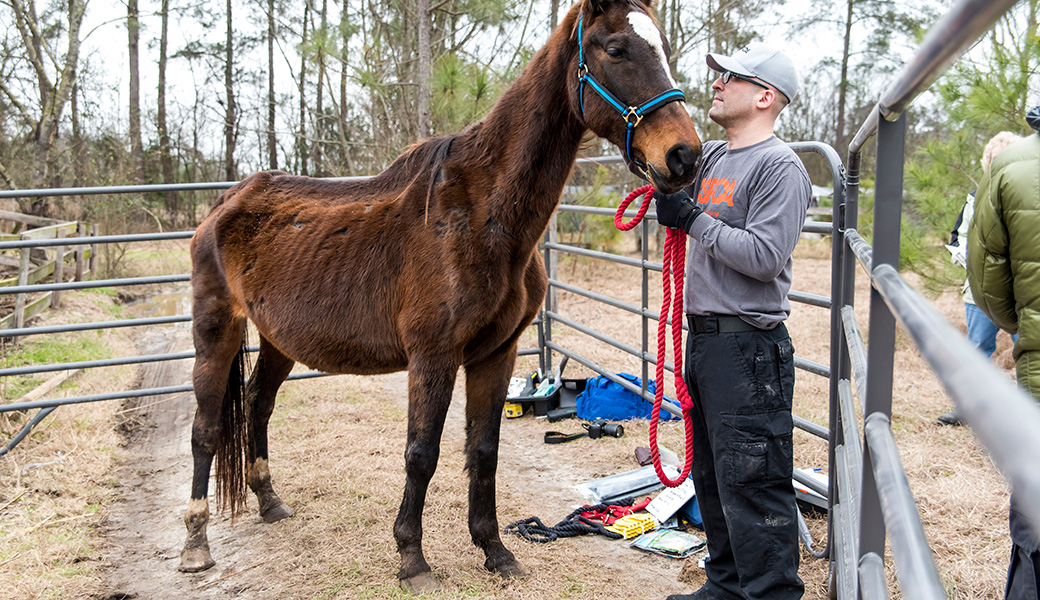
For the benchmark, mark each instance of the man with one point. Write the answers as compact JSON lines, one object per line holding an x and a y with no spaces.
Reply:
{"x":1004,"y":274}
{"x":751,"y":194}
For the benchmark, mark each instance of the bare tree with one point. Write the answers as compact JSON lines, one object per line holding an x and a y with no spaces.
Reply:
{"x":301,"y":138}
{"x":424,"y":74}
{"x":230,"y":114}
{"x":346,"y":31}
{"x":272,"y":139}
{"x":133,"y":29}
{"x":54,"y":88}
{"x":172,"y":200}
{"x":320,"y":38}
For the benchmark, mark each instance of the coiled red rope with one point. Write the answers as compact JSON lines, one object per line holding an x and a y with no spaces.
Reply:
{"x":672,"y":272}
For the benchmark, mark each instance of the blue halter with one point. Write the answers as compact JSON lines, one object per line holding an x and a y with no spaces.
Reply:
{"x":632,"y":115}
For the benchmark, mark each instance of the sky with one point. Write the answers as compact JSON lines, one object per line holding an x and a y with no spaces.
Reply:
{"x":106,"y":42}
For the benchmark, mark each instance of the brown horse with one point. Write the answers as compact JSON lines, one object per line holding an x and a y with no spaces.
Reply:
{"x":430,"y":266}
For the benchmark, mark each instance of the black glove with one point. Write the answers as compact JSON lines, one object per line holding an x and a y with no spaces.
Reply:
{"x":676,"y":210}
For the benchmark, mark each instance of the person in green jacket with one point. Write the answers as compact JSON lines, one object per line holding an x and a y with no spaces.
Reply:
{"x":1004,"y":274}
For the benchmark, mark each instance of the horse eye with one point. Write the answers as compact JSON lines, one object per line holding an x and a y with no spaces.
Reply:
{"x":615,"y":52}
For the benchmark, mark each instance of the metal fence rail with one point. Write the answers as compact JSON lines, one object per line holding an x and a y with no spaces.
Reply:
{"x":869,"y":492}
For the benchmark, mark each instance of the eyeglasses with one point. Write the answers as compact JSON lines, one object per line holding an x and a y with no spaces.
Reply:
{"x":727,"y":75}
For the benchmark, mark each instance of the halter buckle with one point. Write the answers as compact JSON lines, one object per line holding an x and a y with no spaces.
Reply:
{"x":583,"y":70}
{"x":632,"y":113}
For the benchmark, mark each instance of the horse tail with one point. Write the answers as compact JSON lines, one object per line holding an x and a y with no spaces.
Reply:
{"x":235,"y":415}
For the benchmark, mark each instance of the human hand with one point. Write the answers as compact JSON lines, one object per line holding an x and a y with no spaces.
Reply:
{"x":676,"y":210}
{"x":958,"y":255}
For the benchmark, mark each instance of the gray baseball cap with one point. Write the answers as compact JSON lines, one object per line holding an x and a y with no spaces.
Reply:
{"x":763,"y":61}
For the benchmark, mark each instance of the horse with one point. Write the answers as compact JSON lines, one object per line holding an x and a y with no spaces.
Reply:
{"x":430,"y":266}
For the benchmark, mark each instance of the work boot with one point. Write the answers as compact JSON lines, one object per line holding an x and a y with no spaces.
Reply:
{"x":950,"y":418}
{"x":702,"y":594}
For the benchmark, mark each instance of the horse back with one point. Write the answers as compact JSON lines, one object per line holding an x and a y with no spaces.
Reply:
{"x":356,"y":276}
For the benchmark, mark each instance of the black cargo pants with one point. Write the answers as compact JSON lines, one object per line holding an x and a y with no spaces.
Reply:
{"x":741,"y":381}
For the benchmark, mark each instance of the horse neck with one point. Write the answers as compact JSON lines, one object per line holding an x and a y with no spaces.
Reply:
{"x":533,"y":135}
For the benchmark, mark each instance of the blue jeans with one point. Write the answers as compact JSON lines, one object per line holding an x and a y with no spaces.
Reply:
{"x":981,"y":331}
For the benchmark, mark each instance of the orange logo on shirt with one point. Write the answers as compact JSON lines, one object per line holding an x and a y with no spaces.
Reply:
{"x":717,"y":191}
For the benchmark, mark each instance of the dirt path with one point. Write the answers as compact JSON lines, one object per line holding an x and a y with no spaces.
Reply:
{"x":144,"y":533}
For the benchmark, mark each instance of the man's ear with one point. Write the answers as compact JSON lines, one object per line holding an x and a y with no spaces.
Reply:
{"x":767,"y":98}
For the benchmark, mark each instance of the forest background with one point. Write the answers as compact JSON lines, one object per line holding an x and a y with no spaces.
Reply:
{"x":103,"y":92}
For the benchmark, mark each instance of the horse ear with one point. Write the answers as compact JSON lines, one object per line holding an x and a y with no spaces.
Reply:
{"x":594,"y":8}
{"x":597,"y":7}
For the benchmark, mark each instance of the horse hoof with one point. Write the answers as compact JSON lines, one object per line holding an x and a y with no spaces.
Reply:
{"x":423,"y":583}
{"x":195,"y":560}
{"x":513,"y":570}
{"x":277,"y":513}
{"x":510,"y":569}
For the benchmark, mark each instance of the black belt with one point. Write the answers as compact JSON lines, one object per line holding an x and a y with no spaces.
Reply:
{"x":719,"y":324}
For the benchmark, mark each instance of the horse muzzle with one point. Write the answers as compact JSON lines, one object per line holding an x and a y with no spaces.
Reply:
{"x":681,"y":163}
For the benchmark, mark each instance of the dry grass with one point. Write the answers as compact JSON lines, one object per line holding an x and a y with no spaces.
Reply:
{"x":337,"y":446}
{"x":56,"y":486}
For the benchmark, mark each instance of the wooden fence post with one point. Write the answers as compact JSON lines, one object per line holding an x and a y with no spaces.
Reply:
{"x":81,"y":250}
{"x":93,"y":252}
{"x":59,"y":271}
{"x":23,"y":279}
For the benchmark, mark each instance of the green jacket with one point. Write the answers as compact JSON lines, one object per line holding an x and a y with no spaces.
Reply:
{"x":1004,"y":250}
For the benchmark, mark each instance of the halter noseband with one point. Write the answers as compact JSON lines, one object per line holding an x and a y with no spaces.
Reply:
{"x":632,"y":115}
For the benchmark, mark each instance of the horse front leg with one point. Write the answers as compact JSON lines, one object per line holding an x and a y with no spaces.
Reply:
{"x":272,"y":367}
{"x":430,"y":383}
{"x":486,"y":385}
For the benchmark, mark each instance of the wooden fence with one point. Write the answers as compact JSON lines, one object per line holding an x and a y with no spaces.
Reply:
{"x":83,"y":262}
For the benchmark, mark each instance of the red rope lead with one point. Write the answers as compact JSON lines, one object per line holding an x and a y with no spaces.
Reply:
{"x":672,"y":272}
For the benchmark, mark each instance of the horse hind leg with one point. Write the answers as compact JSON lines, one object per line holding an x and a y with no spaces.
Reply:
{"x":272,"y":367}
{"x":217,"y":380}
{"x":486,"y":386}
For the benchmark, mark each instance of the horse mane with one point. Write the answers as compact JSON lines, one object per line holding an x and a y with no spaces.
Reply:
{"x":420,"y":163}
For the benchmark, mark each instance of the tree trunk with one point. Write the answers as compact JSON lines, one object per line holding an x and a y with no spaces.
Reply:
{"x":272,"y":140}
{"x":425,"y":69}
{"x":843,"y":85}
{"x":230,"y":170}
{"x":133,"y":28}
{"x":317,"y":151}
{"x":342,"y":115}
{"x":53,"y":95}
{"x":301,"y":143}
{"x":172,"y":199}
{"x":79,"y":158}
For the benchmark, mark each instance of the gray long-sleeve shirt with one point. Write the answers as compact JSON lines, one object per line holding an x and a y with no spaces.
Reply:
{"x":739,"y":260}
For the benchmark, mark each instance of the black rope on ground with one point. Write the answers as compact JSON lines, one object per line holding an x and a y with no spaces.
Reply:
{"x":533,"y":530}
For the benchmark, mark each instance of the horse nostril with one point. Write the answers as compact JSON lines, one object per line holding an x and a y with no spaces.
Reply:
{"x":682,"y":160}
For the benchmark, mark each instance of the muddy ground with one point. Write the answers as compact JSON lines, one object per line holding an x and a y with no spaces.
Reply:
{"x":337,"y":458}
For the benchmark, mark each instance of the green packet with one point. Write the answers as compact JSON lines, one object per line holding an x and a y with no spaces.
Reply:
{"x":667,"y":542}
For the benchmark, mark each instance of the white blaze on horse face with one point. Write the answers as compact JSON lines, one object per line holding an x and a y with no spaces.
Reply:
{"x":644,"y":27}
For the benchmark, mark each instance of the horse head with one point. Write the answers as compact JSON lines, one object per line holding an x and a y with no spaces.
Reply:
{"x":626,"y":94}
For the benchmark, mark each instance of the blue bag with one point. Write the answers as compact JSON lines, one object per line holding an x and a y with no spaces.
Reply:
{"x":604,"y":399}
{"x":691,"y":511}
